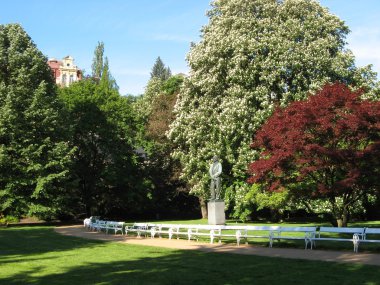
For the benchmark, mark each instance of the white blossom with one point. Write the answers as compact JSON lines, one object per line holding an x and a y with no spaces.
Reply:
{"x":252,"y":55}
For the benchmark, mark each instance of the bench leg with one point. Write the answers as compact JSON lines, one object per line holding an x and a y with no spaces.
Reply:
{"x":212,"y":236}
{"x":306,"y":243}
{"x":356,"y":241}
{"x":238,"y":237}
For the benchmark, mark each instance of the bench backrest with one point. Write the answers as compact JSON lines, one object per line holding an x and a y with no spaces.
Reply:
{"x":201,"y":227}
{"x":372,"y":231}
{"x":298,"y":229}
{"x":234,"y":228}
{"x":341,"y":230}
{"x":166,"y":226}
{"x":140,"y":225}
{"x":263,"y":228}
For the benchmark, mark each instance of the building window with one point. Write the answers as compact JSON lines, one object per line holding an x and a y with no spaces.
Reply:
{"x":64,"y":79}
{"x":71,"y":78}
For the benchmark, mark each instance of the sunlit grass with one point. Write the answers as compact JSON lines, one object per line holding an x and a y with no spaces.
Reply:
{"x":38,"y":255}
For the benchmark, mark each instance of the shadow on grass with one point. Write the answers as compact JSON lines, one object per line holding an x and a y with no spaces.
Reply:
{"x":46,"y":257}
{"x":24,"y":241}
{"x":190,"y":267}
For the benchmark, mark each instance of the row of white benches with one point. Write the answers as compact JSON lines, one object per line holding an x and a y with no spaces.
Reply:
{"x":106,"y":226}
{"x":310,"y":235}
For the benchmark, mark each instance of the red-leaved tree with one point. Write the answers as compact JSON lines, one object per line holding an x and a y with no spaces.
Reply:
{"x":327,"y":147}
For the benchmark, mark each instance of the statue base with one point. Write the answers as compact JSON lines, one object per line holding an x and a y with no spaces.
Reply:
{"x":215,"y":210}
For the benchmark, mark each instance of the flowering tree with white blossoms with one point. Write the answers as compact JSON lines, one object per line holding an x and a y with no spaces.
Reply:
{"x":253,"y":55}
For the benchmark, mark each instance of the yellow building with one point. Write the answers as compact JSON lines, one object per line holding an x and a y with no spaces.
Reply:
{"x":65,"y":72}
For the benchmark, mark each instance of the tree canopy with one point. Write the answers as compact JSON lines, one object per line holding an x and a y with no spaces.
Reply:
{"x":251,"y":56}
{"x":160,"y":71}
{"x":326,"y":147}
{"x":34,"y":153}
{"x":102,"y":129}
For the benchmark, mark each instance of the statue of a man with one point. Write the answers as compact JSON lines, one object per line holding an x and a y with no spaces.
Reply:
{"x":215,"y":171}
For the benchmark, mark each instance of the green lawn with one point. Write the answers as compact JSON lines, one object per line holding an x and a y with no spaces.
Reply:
{"x":37,"y":255}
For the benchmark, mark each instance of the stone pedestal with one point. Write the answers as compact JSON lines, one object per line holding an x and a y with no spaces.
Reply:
{"x":216,"y":214}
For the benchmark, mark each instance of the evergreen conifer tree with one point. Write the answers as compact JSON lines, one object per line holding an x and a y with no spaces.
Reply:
{"x":160,"y":71}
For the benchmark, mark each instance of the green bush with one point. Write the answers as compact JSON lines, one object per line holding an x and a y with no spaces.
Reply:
{"x":8,"y":220}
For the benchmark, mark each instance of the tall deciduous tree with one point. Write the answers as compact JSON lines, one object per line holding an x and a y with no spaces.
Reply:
{"x":252,"y":55}
{"x":34,"y":153}
{"x":103,"y":132}
{"x":170,"y":194}
{"x":326,"y":147}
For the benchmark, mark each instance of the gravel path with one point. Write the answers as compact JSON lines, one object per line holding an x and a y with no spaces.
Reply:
{"x":321,"y":255}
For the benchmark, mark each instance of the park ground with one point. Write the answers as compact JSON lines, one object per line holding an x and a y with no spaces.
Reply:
{"x":71,"y":255}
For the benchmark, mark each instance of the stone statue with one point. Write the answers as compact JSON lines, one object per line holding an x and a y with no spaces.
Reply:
{"x":215,"y":171}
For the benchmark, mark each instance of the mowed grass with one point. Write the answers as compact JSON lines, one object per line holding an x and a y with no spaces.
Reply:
{"x":38,"y":255}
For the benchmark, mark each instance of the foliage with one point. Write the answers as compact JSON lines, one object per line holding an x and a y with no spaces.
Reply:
{"x":251,"y":56}
{"x":34,"y":153}
{"x":168,"y":194}
{"x":143,"y":104}
{"x":103,"y":130}
{"x":160,"y":71}
{"x":172,"y":85}
{"x":98,"y":61}
{"x":325,"y":147}
{"x":8,"y":220}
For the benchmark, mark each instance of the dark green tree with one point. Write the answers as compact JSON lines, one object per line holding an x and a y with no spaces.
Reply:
{"x":160,"y":71}
{"x":169,"y":194}
{"x":34,"y":153}
{"x":105,"y":169}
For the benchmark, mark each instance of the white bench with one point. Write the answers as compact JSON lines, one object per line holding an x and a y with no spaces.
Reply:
{"x":259,"y":232}
{"x":354,"y":235}
{"x":139,"y":228}
{"x":246,"y":232}
{"x":291,"y":233}
{"x":236,"y":232}
{"x":87,"y":223}
{"x":166,"y":229}
{"x":98,"y":225}
{"x":115,"y":227}
{"x":370,"y":234}
{"x":196,"y":231}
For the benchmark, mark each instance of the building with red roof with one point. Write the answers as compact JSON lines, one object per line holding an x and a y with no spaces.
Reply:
{"x":65,"y":71}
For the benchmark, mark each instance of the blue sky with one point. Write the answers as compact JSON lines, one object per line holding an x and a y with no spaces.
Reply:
{"x":136,"y":32}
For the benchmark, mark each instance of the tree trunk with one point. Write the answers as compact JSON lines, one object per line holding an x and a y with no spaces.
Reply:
{"x":203,"y":205}
{"x":342,"y":221}
{"x":344,"y":218}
